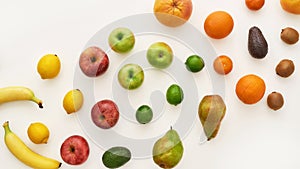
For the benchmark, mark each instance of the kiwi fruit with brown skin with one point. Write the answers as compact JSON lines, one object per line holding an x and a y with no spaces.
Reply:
{"x":289,"y":35}
{"x":285,"y":68}
{"x":275,"y":100}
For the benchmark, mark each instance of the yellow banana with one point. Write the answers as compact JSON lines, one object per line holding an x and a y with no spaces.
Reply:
{"x":18,"y":148}
{"x":14,"y":93}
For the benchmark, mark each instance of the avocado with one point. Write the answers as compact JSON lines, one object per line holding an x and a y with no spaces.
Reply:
{"x":257,"y":44}
{"x":116,"y":157}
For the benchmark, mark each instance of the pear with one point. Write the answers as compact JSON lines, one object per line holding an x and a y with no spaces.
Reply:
{"x":168,"y":150}
{"x":211,"y":111}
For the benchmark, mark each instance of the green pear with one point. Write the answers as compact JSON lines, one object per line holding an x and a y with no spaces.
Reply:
{"x":168,"y":150}
{"x":211,"y":111}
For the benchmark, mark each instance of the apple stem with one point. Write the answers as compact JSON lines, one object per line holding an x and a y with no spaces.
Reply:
{"x":120,"y":36}
{"x":93,"y":59}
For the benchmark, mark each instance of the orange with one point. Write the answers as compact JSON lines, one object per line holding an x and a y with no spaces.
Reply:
{"x":292,"y":6}
{"x":218,"y":24}
{"x":223,"y":65}
{"x":250,"y":89}
{"x":254,"y":4}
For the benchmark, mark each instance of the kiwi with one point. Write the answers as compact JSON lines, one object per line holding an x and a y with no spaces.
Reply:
{"x":275,"y":100}
{"x":289,"y":35}
{"x":285,"y":68}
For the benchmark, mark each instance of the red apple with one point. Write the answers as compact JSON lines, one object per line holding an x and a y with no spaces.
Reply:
{"x":93,"y":61}
{"x":74,"y":150}
{"x":105,"y":114}
{"x":173,"y":12}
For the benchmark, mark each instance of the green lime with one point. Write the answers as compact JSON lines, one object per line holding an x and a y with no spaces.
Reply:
{"x":174,"y":94}
{"x":194,"y":63}
{"x":144,"y":114}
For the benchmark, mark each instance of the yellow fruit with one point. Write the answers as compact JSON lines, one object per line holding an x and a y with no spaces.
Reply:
{"x":73,"y":101}
{"x":48,"y":66}
{"x":38,"y":133}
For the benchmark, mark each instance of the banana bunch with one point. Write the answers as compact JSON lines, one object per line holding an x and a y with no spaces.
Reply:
{"x":18,"y":148}
{"x":15,"y":93}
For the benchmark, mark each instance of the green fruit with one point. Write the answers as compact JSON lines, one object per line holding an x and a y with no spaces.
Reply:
{"x":211,"y":111}
{"x":174,"y":94}
{"x":131,"y":76}
{"x":168,"y":150}
{"x":121,"y":40}
{"x":116,"y":157}
{"x":144,"y":114}
{"x":194,"y":63}
{"x":160,"y":55}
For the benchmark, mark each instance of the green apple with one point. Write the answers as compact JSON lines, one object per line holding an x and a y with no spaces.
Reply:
{"x":121,"y":40}
{"x":160,"y":55}
{"x":131,"y":76}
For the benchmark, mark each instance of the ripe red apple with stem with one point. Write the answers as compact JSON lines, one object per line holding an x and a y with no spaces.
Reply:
{"x":74,"y":150}
{"x":105,"y":114}
{"x":93,"y":61}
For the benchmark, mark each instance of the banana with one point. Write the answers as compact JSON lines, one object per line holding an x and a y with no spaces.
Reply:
{"x":18,"y":148}
{"x":14,"y":93}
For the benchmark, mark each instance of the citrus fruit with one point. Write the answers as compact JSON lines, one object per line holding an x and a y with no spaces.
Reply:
{"x":291,"y":6}
{"x":38,"y":133}
{"x":144,"y":114}
{"x":73,"y":101}
{"x":250,"y":89}
{"x":223,"y":65}
{"x":194,"y":63}
{"x":218,"y":24}
{"x":174,"y":94}
{"x":48,"y":66}
{"x":254,"y":4}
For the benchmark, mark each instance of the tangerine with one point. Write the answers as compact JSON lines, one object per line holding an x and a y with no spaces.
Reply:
{"x":250,"y":89}
{"x":218,"y":24}
{"x":255,"y":4}
{"x":223,"y":65}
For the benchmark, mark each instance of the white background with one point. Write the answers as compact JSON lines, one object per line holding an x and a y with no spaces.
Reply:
{"x":250,"y":136}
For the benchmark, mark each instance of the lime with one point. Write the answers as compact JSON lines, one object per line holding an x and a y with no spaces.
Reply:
{"x":48,"y":66}
{"x":194,"y":63}
{"x":38,"y":133}
{"x":144,"y":114}
{"x":174,"y":94}
{"x":73,"y":101}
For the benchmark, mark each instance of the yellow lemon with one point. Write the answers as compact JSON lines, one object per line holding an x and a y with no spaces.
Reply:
{"x":38,"y":133}
{"x":73,"y":101}
{"x":48,"y":66}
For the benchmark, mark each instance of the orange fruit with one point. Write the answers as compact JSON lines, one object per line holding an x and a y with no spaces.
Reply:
{"x":218,"y":24}
{"x":250,"y":89}
{"x":254,"y":4}
{"x":292,"y":6}
{"x":223,"y":65}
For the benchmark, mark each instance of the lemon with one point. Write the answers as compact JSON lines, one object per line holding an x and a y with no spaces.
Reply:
{"x":48,"y":66}
{"x":73,"y":101}
{"x":38,"y":133}
{"x":174,"y":94}
{"x":194,"y":63}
